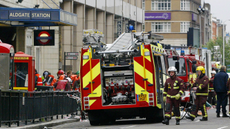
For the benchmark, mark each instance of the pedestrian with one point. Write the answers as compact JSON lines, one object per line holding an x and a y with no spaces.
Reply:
{"x":212,"y":94}
{"x":219,"y":83}
{"x":228,"y":86}
{"x":174,"y":88}
{"x":201,"y":88}
{"x":60,"y":74}
{"x":76,"y":82}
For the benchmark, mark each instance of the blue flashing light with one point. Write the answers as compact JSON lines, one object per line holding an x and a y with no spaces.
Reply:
{"x":182,"y":52}
{"x":158,"y":42}
{"x":131,"y":27}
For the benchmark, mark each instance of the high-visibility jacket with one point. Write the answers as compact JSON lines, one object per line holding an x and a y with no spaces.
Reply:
{"x":51,"y":80}
{"x":39,"y":80}
{"x":62,"y":77}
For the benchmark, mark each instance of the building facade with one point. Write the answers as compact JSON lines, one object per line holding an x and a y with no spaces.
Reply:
{"x":109,"y":16}
{"x":172,"y":19}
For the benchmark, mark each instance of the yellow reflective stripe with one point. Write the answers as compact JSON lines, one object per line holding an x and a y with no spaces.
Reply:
{"x":170,"y":96}
{"x":181,"y":92}
{"x":168,"y":115}
{"x":165,"y":93}
{"x":95,"y":71}
{"x":205,"y":111}
{"x":211,"y":88}
{"x":192,"y":115}
{"x":176,"y":87}
{"x":177,"y":117}
{"x":200,"y":86}
{"x":228,"y":91}
{"x":201,"y":93}
{"x":139,"y":90}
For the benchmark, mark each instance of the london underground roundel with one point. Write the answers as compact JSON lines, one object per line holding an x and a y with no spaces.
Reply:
{"x":44,"y":37}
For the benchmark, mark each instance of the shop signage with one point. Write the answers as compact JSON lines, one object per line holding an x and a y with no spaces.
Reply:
{"x":157,"y":16}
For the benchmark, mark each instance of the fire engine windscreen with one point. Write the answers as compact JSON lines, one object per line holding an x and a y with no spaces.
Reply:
{"x":182,"y":67}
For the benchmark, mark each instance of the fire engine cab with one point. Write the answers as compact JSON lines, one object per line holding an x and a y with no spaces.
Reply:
{"x":123,"y":80}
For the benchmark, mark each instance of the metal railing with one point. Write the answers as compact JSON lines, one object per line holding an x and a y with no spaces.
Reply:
{"x":23,"y":106}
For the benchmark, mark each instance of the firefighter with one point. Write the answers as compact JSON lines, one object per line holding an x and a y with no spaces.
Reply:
{"x":45,"y":74}
{"x":63,"y":85}
{"x":174,"y":88}
{"x":212,"y":94}
{"x":201,"y":88}
{"x":60,"y":75}
{"x":50,"y":80}
{"x":76,"y":81}
{"x":38,"y":79}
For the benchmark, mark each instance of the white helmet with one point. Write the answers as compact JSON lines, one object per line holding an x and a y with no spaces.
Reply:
{"x":213,"y":72}
{"x":69,"y":79}
{"x":172,"y":68}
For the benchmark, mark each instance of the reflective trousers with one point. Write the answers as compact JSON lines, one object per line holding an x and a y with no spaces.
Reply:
{"x":200,"y":103}
{"x":172,"y":102}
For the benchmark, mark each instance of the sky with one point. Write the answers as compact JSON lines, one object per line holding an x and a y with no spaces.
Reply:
{"x":221,"y":10}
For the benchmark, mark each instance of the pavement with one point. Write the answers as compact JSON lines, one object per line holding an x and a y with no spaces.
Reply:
{"x":44,"y":124}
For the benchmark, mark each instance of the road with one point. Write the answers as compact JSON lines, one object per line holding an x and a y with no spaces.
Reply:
{"x":212,"y":123}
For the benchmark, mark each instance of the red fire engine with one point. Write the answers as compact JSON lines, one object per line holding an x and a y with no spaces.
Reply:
{"x":123,"y":81}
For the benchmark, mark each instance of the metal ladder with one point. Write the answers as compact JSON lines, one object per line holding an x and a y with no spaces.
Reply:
{"x":123,"y":42}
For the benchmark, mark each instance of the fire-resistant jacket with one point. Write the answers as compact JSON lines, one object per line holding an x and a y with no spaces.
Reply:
{"x":173,"y":87}
{"x":211,"y":89}
{"x":38,"y":80}
{"x":202,"y":86}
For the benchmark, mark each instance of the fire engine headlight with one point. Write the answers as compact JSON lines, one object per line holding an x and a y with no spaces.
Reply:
{"x":147,"y":53}
{"x":85,"y":57}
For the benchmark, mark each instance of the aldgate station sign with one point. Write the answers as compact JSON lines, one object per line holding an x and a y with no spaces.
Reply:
{"x":28,"y":15}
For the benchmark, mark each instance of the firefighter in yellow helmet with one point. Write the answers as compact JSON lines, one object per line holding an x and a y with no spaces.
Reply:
{"x":174,"y":88}
{"x":201,"y":88}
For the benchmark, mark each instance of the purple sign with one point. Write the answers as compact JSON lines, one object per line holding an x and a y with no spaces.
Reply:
{"x":194,"y":17}
{"x":157,"y":16}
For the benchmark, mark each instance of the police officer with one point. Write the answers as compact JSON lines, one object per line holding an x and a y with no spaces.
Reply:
{"x":201,"y":88}
{"x":174,"y":88}
{"x":211,"y":95}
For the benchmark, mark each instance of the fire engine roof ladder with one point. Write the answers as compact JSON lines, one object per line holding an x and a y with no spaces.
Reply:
{"x":123,"y":42}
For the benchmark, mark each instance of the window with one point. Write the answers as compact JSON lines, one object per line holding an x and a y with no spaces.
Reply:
{"x":184,"y":27}
{"x":161,"y":27}
{"x":182,"y":68}
{"x":185,"y":5}
{"x":143,"y":4}
{"x":161,"y":4}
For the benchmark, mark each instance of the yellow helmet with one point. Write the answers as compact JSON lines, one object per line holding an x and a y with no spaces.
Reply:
{"x":200,"y":68}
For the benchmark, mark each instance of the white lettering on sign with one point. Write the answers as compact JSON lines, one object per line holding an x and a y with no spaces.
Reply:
{"x":20,"y":15}
{"x":39,"y":15}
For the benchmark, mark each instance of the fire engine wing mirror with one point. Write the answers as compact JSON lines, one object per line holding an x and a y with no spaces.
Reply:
{"x":175,"y":57}
{"x":177,"y":65}
{"x":194,"y":68}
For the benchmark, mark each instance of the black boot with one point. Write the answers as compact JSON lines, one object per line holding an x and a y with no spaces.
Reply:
{"x":218,"y":115}
{"x":166,"y":121}
{"x":177,"y":122}
{"x":190,"y":117}
{"x":225,"y":115}
{"x":204,"y":119}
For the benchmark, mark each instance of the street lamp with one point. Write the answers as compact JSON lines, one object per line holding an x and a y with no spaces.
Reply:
{"x":224,"y":43}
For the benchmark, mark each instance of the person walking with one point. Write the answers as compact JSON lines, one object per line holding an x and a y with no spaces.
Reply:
{"x":212,"y":94}
{"x":219,"y":83}
{"x":201,"y":88}
{"x":174,"y":88}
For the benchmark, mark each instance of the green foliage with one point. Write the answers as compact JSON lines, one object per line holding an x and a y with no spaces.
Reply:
{"x":219,"y":42}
